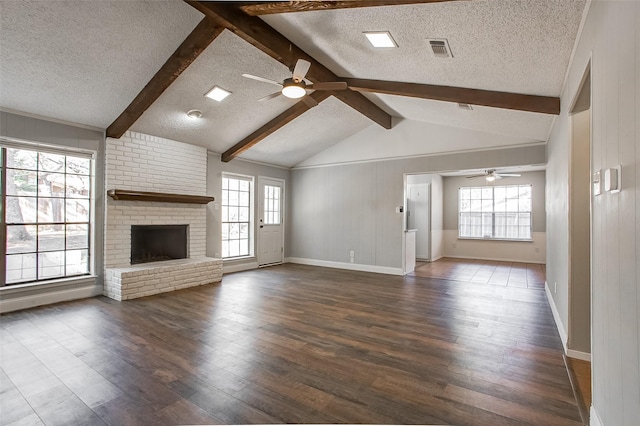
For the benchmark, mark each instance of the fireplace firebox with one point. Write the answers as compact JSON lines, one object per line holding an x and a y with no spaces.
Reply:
{"x":154,"y":243}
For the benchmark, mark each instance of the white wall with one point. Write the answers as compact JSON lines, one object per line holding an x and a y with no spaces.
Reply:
{"x":515,"y":251}
{"x":340,"y":208}
{"x":57,"y":134}
{"x":611,"y":41}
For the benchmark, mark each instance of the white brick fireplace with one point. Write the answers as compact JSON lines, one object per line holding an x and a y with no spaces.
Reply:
{"x":139,"y":162}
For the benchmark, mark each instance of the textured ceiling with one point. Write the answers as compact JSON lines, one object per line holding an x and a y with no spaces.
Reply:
{"x":504,"y":45}
{"x":84,"y":61}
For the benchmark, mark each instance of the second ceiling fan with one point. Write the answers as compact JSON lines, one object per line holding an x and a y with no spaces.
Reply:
{"x":491,"y":175}
{"x":295,"y":87}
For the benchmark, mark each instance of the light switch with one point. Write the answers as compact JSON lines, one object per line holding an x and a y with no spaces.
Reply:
{"x":597,"y":183}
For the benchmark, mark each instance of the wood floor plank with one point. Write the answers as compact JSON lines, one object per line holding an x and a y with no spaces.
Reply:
{"x":299,"y":344}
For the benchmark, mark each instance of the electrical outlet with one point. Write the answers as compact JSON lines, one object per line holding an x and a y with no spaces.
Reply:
{"x":352,"y":253}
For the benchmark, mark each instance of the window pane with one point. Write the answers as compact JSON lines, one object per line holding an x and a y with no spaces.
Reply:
{"x":225,"y":183}
{"x":21,"y":238}
{"x":51,"y":184}
{"x":234,"y":185}
{"x":51,"y":264}
{"x":78,"y":186}
{"x":22,"y":159}
{"x":51,"y":162}
{"x":77,"y":262}
{"x":50,"y":210}
{"x":78,"y":166}
{"x":225,"y":213}
{"x":21,"y":210}
{"x":243,"y":215}
{"x":476,"y":193}
{"x":244,"y":185}
{"x":243,"y":199}
{"x":77,"y":237}
{"x":244,"y":230}
{"x":77,"y":211}
{"x":22,"y":182}
{"x":51,"y":237}
{"x":20,"y":268}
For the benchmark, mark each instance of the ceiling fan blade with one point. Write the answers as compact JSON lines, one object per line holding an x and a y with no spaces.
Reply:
{"x":301,"y":69}
{"x":328,"y":85}
{"x":264,"y":80}
{"x":475,"y":176}
{"x":271,"y":96}
{"x":309,"y":101}
{"x":508,"y":174}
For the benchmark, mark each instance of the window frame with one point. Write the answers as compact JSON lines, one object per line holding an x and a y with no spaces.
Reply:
{"x":39,"y":148}
{"x":251,"y":220}
{"x":493,"y":213}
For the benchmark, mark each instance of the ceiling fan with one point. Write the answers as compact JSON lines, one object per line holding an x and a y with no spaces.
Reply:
{"x":295,"y":87}
{"x":491,"y":175}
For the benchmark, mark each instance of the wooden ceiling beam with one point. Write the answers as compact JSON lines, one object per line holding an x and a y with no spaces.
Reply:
{"x":195,"y":43}
{"x":259,"y":34}
{"x":268,"y":8}
{"x":505,"y":100}
{"x":280,"y":121}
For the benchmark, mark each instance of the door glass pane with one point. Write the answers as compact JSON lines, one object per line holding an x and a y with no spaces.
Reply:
{"x":271,"y":213}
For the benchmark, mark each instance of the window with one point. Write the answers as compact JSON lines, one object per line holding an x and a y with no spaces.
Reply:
{"x":271,"y":205}
{"x":46,"y":214}
{"x":237,"y":217}
{"x":495,"y":212}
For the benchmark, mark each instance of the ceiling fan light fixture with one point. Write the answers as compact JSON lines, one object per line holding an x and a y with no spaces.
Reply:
{"x":217,"y":94}
{"x":490,"y":178}
{"x":294,"y":90}
{"x":380,"y":39}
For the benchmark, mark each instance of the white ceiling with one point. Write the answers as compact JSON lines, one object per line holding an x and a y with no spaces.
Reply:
{"x":84,"y":61}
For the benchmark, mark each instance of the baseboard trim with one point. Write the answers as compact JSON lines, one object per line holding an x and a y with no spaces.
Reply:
{"x":594,"y":417}
{"x":350,"y":266}
{"x":556,"y":316}
{"x":501,"y":259}
{"x":584,"y":356}
{"x":239,"y":267}
{"x":64,"y":295}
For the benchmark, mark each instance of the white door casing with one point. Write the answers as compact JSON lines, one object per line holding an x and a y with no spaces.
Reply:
{"x":270,"y":221}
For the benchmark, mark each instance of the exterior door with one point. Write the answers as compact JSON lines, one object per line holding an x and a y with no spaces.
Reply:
{"x":270,"y":218}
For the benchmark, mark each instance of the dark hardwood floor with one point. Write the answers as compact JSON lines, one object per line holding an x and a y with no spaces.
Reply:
{"x":291,"y":343}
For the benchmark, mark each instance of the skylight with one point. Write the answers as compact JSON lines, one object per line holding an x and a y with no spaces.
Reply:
{"x":217,"y":94}
{"x":380,"y":39}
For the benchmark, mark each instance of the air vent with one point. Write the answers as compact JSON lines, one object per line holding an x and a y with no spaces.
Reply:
{"x":440,"y":48}
{"x":465,"y":106}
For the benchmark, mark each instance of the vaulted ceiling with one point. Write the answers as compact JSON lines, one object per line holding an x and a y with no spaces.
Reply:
{"x":142,"y":65}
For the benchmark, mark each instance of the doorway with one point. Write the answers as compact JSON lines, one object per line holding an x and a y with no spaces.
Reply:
{"x":580,"y":223}
{"x":270,"y":221}
{"x":418,"y":217}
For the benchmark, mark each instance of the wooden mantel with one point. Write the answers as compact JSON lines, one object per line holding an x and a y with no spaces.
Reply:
{"x":127,"y":195}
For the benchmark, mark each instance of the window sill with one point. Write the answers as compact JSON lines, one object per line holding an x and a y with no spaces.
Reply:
{"x":512,"y":240}
{"x":50,"y":284}
{"x":237,"y":259}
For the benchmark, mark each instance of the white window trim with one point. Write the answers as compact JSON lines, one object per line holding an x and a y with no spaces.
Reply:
{"x":7,"y":142}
